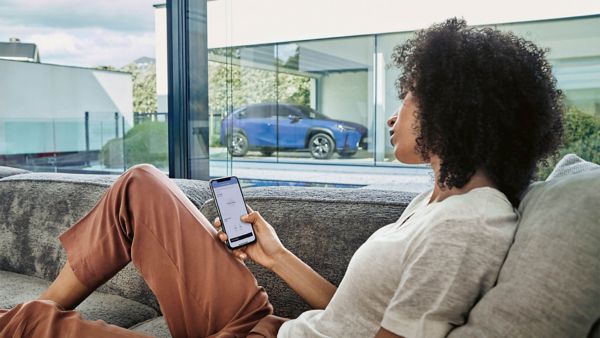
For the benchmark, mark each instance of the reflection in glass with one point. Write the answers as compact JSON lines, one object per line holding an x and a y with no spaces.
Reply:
{"x":574,"y":52}
{"x":238,"y":79}
{"x":327,"y":101}
{"x":328,"y":82}
{"x":306,"y":101}
{"x":387,"y":100}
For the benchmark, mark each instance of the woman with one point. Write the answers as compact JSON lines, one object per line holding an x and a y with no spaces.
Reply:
{"x":480,"y":106}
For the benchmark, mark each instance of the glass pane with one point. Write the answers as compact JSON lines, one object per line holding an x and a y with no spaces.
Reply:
{"x":335,"y":85}
{"x":296,"y":102}
{"x":325,"y":101}
{"x":219,"y":104}
{"x":242,"y":106}
{"x":387,"y":100}
{"x":81,"y":95}
{"x":574,"y":52}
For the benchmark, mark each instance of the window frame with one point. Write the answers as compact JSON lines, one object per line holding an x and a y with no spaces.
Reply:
{"x":187,"y":61}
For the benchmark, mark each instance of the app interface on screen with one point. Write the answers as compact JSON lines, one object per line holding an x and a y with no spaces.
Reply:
{"x":232,"y":207}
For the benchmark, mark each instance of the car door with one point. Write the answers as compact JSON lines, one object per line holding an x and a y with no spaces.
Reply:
{"x":260,"y":125}
{"x":292,"y":127}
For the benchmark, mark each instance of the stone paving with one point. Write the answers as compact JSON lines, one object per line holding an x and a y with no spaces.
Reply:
{"x":412,"y":179}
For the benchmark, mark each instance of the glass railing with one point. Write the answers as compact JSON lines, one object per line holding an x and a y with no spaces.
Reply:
{"x":95,"y":142}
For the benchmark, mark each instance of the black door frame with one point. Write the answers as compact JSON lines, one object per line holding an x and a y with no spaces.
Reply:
{"x":187,"y":57}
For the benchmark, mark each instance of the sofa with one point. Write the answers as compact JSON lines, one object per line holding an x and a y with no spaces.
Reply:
{"x":549,"y":285}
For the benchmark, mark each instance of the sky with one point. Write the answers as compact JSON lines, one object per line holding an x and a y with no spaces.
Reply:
{"x":82,"y":33}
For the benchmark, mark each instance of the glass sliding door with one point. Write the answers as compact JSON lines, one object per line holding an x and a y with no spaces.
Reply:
{"x":297,"y":104}
{"x":325,"y":92}
{"x":305,"y":102}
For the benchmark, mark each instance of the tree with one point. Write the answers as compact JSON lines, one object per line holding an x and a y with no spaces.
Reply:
{"x":144,"y":143}
{"x":144,"y":87}
{"x":233,"y":86}
{"x":582,"y":137}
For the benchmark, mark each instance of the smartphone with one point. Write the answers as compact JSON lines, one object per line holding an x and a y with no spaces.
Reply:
{"x":227,"y":194}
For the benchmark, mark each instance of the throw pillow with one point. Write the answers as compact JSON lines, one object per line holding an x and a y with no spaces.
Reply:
{"x":549,"y":285}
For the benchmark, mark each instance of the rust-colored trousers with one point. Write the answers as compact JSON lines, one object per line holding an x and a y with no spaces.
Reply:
{"x":203,"y":290}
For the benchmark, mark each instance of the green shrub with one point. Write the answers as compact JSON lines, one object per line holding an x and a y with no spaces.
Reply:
{"x":582,"y":137}
{"x":147,"y":142}
{"x":215,"y":140}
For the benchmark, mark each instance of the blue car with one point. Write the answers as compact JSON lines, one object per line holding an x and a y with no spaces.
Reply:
{"x":255,"y":127}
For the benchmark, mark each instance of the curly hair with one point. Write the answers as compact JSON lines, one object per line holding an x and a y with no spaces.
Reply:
{"x":486,"y":100}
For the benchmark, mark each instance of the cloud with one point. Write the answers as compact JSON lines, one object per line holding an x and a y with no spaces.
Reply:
{"x":130,"y":15}
{"x":82,"y":33}
{"x":86,"y":47}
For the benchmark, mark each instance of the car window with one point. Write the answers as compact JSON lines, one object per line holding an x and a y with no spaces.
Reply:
{"x":240,"y":113}
{"x":286,"y":111}
{"x":260,"y":111}
{"x":311,"y":113}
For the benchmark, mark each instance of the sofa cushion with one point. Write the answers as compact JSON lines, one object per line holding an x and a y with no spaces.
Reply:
{"x":9,"y":171}
{"x":571,"y":164}
{"x":17,"y":288}
{"x":155,"y":327}
{"x":549,"y":285}
{"x":324,"y":227}
{"x":37,"y":207}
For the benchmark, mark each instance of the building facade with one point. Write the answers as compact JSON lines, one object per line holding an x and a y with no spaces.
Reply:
{"x":53,"y":110}
{"x":349,"y":78}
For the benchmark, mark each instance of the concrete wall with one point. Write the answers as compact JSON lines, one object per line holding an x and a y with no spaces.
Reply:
{"x":344,"y":96}
{"x":42,"y":106}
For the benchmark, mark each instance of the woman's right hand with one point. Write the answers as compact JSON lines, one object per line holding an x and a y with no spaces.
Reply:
{"x":266,"y":250}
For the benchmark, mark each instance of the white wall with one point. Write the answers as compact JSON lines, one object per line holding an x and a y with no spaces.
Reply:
{"x":344,"y":96}
{"x":37,"y":90}
{"x":574,"y":43}
{"x":162,"y":81}
{"x":248,"y":22}
{"x":43,"y":106}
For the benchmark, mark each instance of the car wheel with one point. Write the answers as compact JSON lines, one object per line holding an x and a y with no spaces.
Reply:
{"x":347,"y":154}
{"x":321,"y":146}
{"x":237,"y":144}
{"x":266,"y":152}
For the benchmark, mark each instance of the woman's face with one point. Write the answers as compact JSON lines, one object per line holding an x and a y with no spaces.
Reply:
{"x":402,"y":134}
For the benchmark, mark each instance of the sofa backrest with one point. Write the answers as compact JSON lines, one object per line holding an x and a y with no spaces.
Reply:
{"x":322,"y":226}
{"x":8,"y":171}
{"x":37,"y":207}
{"x":549,"y":285}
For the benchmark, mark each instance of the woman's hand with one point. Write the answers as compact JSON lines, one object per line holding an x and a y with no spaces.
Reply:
{"x":267,"y":248}
{"x":270,"y":253}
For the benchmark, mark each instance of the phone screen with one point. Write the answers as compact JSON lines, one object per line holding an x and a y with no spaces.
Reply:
{"x":231,"y":206}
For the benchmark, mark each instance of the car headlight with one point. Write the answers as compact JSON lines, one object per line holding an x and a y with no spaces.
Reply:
{"x":342,"y":127}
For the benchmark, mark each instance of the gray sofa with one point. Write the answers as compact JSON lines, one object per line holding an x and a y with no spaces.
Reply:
{"x":549,"y":285}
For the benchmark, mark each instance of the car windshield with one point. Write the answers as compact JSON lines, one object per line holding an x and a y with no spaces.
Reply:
{"x":311,"y":113}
